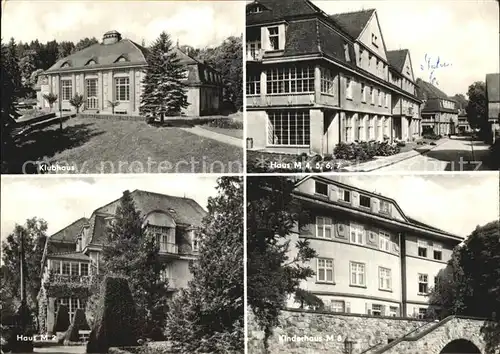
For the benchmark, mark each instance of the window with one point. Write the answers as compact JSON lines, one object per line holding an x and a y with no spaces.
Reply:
{"x":337,"y":306}
{"x":320,"y":188}
{"x":289,"y":128}
{"x":75,"y":269}
{"x":91,"y":92}
{"x":196,"y":241}
{"x":374,"y":40}
{"x":379,"y":97}
{"x":357,"y":233}
{"x":66,"y":268}
{"x":346,"y":51}
{"x":66,"y":87}
{"x":325,"y":270}
{"x":166,"y":273}
{"x":423,"y":284}
{"x":296,"y":79}
{"x":385,"y":207}
{"x":372,"y":93}
{"x":393,"y":311}
{"x":387,"y":96}
{"x":122,"y":89}
{"x":327,"y":85}
{"x":364,"y":201}
{"x":274,"y":38}
{"x":422,"y":312}
{"x":56,"y":267}
{"x":376,"y":310}
{"x":344,"y":195}
{"x":253,"y":84}
{"x":438,"y":251}
{"x":348,"y":88}
{"x":369,"y":59}
{"x":384,"y":278}
{"x":348,"y":118}
{"x":384,"y":241}
{"x":361,"y":52}
{"x":363,"y":93}
{"x":256,"y":9}
{"x":371,"y":128}
{"x":357,"y":274}
{"x":324,"y":227}
{"x":84,"y":269}
{"x":254,"y":50}
{"x":422,"y":248}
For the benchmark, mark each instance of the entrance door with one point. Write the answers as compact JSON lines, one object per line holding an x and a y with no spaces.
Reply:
{"x":398,"y":129}
{"x":92,"y":102}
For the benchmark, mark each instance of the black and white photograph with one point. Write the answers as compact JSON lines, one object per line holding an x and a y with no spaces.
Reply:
{"x":382,"y":86}
{"x":368,"y":264}
{"x":137,"y":264}
{"x":122,"y":87}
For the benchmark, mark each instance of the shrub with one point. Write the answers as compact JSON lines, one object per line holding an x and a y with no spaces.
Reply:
{"x":401,"y":144}
{"x":115,"y":324}
{"x":62,"y":319}
{"x":494,"y":158}
{"x":386,"y":149}
{"x":432,"y":143}
{"x":79,"y":323}
{"x":226,"y":123}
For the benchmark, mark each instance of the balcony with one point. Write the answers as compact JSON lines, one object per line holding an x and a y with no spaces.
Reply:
{"x":54,"y":279}
{"x":167,"y":247}
{"x":254,"y":54}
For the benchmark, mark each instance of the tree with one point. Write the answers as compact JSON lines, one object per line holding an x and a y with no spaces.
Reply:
{"x":477,"y":105}
{"x":228,"y":60}
{"x":208,"y":317}
{"x":113,"y":104}
{"x":272,"y":275}
{"x":470,"y":284}
{"x":51,"y":98}
{"x":133,"y":253}
{"x":11,"y":86}
{"x":34,"y":231}
{"x":164,"y":92}
{"x":76,"y":101}
{"x":65,"y":49}
{"x":85,"y":43}
{"x":27,"y":66}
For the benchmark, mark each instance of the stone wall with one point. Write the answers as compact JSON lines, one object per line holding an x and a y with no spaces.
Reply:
{"x":312,"y":332}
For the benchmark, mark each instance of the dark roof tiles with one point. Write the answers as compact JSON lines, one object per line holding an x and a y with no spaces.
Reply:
{"x":69,"y":233}
{"x":396,"y":58}
{"x":353,"y":22}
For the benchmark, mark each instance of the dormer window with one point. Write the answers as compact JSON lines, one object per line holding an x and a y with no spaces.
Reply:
{"x":321,"y":188}
{"x":91,"y":62}
{"x":274,"y":38}
{"x":121,"y":58}
{"x":195,"y":241}
{"x":256,"y":9}
{"x":65,"y":65}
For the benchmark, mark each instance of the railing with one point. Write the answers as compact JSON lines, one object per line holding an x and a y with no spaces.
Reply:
{"x":92,"y":103}
{"x":254,"y":54}
{"x":167,"y":247}
{"x":66,"y":278}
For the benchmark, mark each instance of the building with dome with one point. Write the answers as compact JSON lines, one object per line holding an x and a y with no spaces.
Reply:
{"x":112,"y":72}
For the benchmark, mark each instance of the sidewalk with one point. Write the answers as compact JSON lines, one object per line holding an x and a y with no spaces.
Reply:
{"x":226,"y":139}
{"x":384,"y":161}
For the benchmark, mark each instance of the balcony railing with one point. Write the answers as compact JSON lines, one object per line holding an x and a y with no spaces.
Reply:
{"x":167,"y":247}
{"x":254,"y":54}
{"x":66,"y":278}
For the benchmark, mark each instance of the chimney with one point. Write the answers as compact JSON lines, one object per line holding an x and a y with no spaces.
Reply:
{"x":111,"y":37}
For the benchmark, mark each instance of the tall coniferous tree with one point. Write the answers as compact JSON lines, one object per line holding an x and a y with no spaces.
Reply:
{"x":164,"y":93}
{"x":134,"y":253}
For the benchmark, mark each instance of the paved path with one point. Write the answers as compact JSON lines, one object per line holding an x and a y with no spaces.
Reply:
{"x":74,"y":349}
{"x":456,"y":154}
{"x":226,"y":139}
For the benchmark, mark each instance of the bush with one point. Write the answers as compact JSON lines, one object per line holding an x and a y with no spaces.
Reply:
{"x":226,"y":123}
{"x":401,"y":144}
{"x":494,"y":158}
{"x":431,"y":136}
{"x":62,"y":319}
{"x":79,"y":323}
{"x":115,"y":324}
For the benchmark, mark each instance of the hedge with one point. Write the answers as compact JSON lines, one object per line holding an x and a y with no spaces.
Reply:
{"x":116,"y":320}
{"x":62,"y":319}
{"x":364,"y":150}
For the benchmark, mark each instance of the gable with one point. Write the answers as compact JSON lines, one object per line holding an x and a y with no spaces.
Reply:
{"x":407,"y":69}
{"x":371,"y":37}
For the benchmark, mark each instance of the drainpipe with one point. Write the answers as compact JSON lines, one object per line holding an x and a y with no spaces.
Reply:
{"x":402,"y":257}
{"x":340,"y":115}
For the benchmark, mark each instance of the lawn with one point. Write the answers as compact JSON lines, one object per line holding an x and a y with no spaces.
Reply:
{"x":113,"y":146}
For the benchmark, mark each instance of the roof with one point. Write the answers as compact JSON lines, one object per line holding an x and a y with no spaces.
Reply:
{"x":69,"y":255}
{"x":104,"y":55}
{"x":433,"y":97}
{"x":493,"y":87}
{"x":277,"y":10}
{"x":353,"y":22}
{"x":427,"y":226}
{"x":183,"y":211}
{"x":69,"y":233}
{"x":396,"y":58}
{"x":431,"y":91}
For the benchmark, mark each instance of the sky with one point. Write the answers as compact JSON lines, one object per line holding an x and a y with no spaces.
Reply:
{"x":463,"y":34}
{"x":453,"y":202}
{"x":62,"y":200}
{"x":195,"y":23}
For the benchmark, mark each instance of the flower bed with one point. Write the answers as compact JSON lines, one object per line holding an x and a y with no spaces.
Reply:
{"x":364,"y":151}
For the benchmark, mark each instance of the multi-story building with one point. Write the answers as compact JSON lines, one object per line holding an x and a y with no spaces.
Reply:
{"x":440,"y":113}
{"x":315,"y":80}
{"x":371,"y":257}
{"x":112,"y":72}
{"x":493,"y":99}
{"x":73,"y":255}
{"x":463,"y":122}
